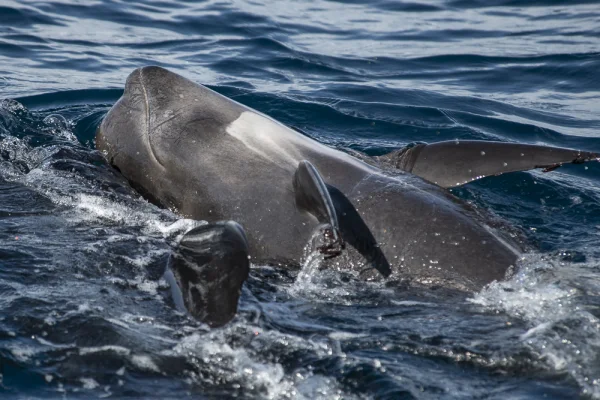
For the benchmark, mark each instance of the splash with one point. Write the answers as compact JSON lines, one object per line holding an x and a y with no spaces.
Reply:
{"x":559,"y":328}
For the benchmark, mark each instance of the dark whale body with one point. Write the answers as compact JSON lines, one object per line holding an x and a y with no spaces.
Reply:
{"x":210,"y":158}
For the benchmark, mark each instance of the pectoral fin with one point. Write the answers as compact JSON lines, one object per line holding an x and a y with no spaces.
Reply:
{"x":207,"y":270}
{"x":454,"y":163}
{"x":331,"y":207}
{"x":312,"y":196}
{"x":355,"y":232}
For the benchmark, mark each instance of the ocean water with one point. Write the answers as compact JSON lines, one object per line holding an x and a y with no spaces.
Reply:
{"x":84,"y":311}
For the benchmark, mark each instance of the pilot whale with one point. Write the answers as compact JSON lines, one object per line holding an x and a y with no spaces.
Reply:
{"x":207,"y":157}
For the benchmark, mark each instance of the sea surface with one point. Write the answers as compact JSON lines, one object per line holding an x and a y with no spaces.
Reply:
{"x":84,"y":312}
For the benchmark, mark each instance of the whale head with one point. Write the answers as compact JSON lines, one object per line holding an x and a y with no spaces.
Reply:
{"x":160,"y":123}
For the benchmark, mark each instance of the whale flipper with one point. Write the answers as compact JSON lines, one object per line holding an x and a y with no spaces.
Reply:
{"x":312,"y":196}
{"x":331,"y":207}
{"x":356,"y":232}
{"x":454,"y":163}
{"x":209,"y":267}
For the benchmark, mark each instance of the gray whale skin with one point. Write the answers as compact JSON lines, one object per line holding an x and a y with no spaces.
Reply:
{"x":207,"y":157}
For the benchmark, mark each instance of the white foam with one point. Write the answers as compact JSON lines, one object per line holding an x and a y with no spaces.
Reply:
{"x":240,"y":366}
{"x":558,"y":327}
{"x":338,"y":335}
{"x":89,"y":383}
{"x":64,"y":189}
{"x":312,"y":281}
{"x":128,"y":322}
{"x":141,"y":261}
{"x":411,"y":303}
{"x":118,"y":322}
{"x":178,"y":227}
{"x":305,"y":281}
{"x":111,"y":348}
{"x":21,"y":352}
{"x":144,"y":362}
{"x":145,"y":285}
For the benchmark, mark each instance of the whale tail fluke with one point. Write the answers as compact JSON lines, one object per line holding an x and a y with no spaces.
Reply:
{"x":207,"y":271}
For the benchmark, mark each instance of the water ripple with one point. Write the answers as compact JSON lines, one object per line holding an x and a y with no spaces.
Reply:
{"x":81,"y":254}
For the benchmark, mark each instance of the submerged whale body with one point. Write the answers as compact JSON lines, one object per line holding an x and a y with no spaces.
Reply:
{"x":208,"y":157}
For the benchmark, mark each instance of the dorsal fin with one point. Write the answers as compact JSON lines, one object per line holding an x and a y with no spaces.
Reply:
{"x":454,"y":163}
{"x":312,"y":196}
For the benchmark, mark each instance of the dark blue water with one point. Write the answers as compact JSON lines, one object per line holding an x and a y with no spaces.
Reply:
{"x":84,"y":313}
